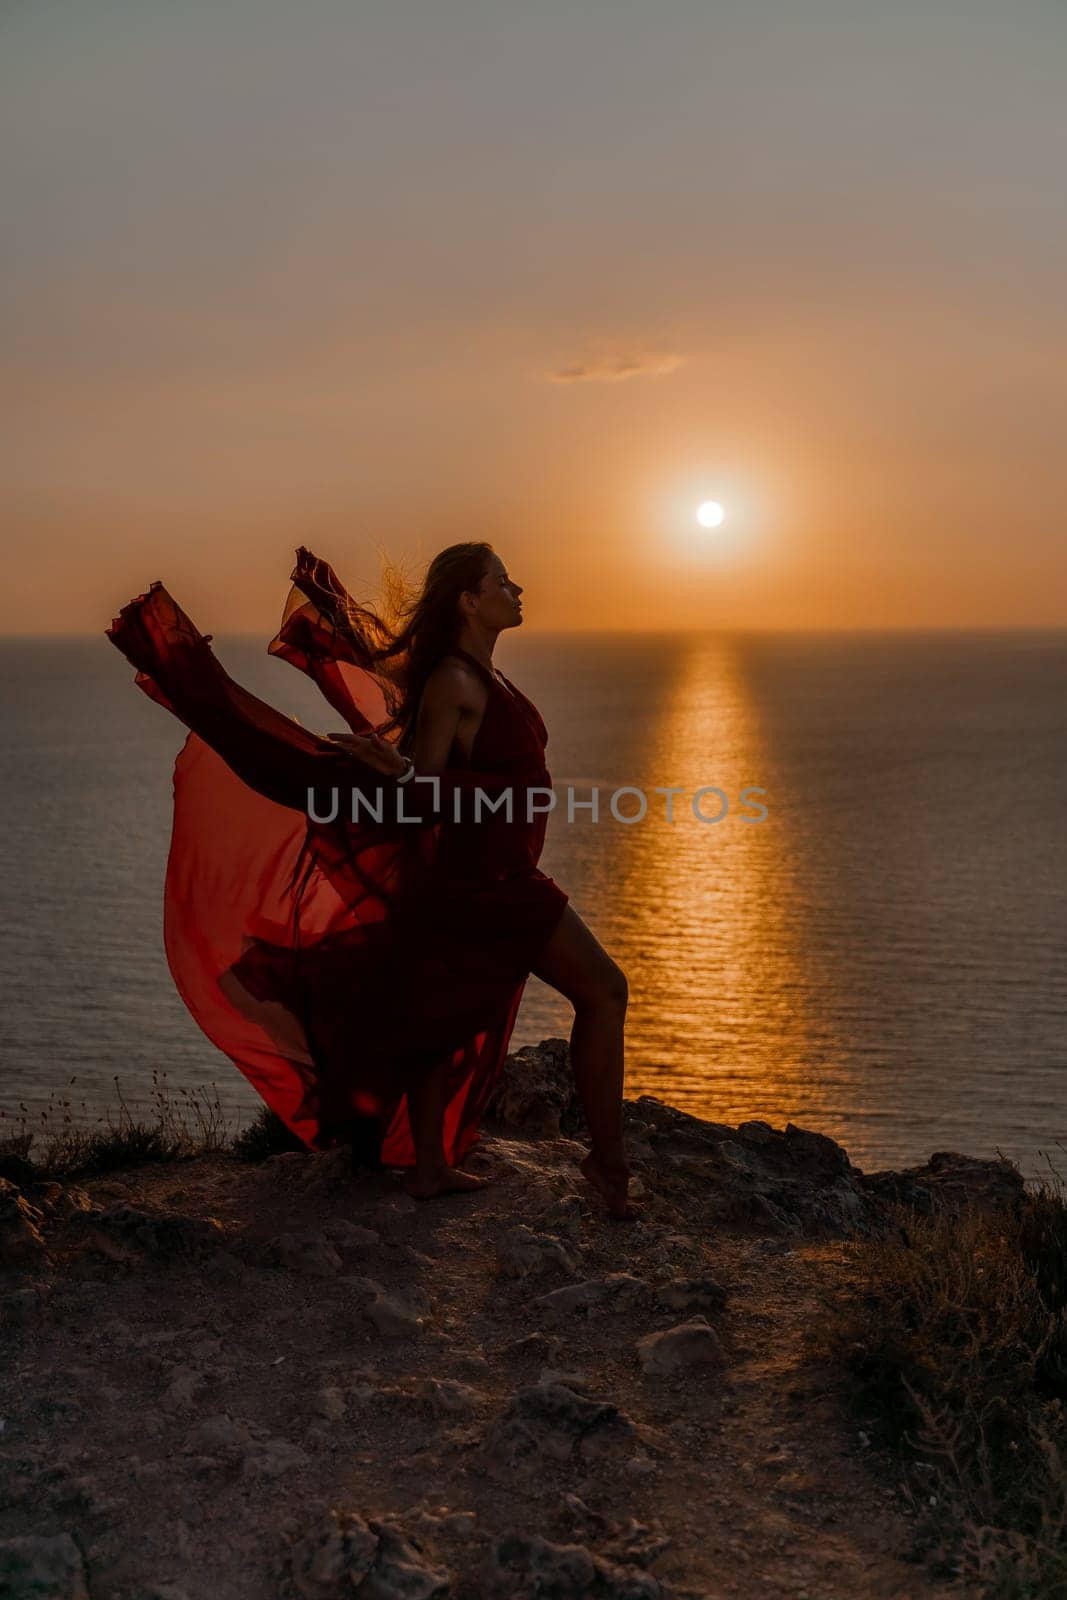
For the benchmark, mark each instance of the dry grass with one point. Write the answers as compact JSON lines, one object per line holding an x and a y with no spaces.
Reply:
{"x":955,"y":1335}
{"x":50,"y":1145}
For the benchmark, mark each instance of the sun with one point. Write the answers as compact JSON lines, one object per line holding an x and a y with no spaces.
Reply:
{"x":710,"y":514}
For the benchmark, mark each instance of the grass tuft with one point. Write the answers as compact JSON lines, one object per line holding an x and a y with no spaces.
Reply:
{"x":189,"y":1124}
{"x":956,"y":1341}
{"x":267,"y":1135}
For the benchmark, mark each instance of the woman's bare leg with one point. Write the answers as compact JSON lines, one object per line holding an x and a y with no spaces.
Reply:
{"x":574,"y":962}
{"x":426,"y":1114}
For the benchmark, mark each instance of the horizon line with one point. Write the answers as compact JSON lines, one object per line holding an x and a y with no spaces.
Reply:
{"x":688,"y":632}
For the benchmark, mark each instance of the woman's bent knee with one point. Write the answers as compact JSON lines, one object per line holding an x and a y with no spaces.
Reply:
{"x":616,"y":989}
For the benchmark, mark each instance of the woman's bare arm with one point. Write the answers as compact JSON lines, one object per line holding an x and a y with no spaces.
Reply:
{"x":453,"y":703}
{"x":453,"y":699}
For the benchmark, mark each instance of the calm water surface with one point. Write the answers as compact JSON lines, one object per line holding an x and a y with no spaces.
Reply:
{"x":882,"y":958}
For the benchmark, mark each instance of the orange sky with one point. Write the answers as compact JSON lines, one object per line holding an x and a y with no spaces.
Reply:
{"x":387,"y":277}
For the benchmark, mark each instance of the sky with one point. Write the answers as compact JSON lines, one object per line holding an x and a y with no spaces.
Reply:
{"x":378,"y":277}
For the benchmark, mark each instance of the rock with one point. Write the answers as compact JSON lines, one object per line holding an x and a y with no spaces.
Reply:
{"x":816,"y":1151}
{"x":791,"y":1181}
{"x":271,"y":1458}
{"x":679,"y":1243}
{"x":550,"y":1420}
{"x":222,"y":1441}
{"x":460,"y":1525}
{"x":117,"y":1331}
{"x":948,"y":1179}
{"x":362,"y":1387}
{"x":638,"y":1542}
{"x":529,"y":1348}
{"x":535,"y":1095}
{"x":348,"y":1235}
{"x":218,"y":1436}
{"x":447,"y":1397}
{"x":374,"y":1559}
{"x":521,"y":1253}
{"x":535,"y":1567}
{"x":472,"y":1363}
{"x":113,"y":1189}
{"x":307,"y":1253}
{"x":399,"y":1571}
{"x":124,"y":1231}
{"x":759,"y":1207}
{"x":186,"y":1385}
{"x":42,"y":1567}
{"x":841,"y":1208}
{"x":565,"y":1215}
{"x":330,"y":1403}
{"x":570,"y":1379}
{"x":689,"y":1347}
{"x":157,"y":1336}
{"x":582,"y":1513}
{"x":337,"y":1557}
{"x":393,"y":1317}
{"x":78,"y":1490}
{"x":618,"y":1289}
{"x":769,"y":1247}
{"x":322,"y":1169}
{"x":692,"y":1294}
{"x":58,"y":1199}
{"x":22,"y":1245}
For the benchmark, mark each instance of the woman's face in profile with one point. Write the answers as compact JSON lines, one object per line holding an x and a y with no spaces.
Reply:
{"x":498,"y":605}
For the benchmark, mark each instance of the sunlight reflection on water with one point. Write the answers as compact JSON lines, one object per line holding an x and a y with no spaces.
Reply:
{"x":881,"y":959}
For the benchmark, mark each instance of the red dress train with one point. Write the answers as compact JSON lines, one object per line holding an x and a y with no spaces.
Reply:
{"x":335,"y":961}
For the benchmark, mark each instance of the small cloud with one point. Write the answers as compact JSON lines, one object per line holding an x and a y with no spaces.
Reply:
{"x":614,"y":369}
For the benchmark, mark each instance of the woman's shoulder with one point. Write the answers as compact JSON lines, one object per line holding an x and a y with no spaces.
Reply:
{"x":452,"y":676}
{"x":459,"y":668}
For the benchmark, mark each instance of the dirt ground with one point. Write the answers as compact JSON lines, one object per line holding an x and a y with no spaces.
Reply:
{"x":233,"y":1381}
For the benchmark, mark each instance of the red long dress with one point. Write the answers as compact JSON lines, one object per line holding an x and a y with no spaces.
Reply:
{"x":334,"y":962}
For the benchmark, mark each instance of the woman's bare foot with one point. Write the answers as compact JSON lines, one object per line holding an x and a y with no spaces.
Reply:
{"x":610,"y":1179}
{"x":442,"y":1180}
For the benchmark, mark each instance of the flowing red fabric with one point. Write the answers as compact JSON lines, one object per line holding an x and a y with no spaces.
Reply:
{"x":336,"y":961}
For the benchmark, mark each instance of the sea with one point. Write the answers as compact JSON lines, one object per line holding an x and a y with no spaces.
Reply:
{"x":853,"y":918}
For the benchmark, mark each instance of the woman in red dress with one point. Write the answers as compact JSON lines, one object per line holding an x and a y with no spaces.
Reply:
{"x":352,"y":919}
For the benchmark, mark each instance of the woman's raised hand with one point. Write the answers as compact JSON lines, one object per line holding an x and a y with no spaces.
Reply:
{"x":374,"y":750}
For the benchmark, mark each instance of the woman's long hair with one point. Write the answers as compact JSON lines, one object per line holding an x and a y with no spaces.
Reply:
{"x":402,"y":640}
